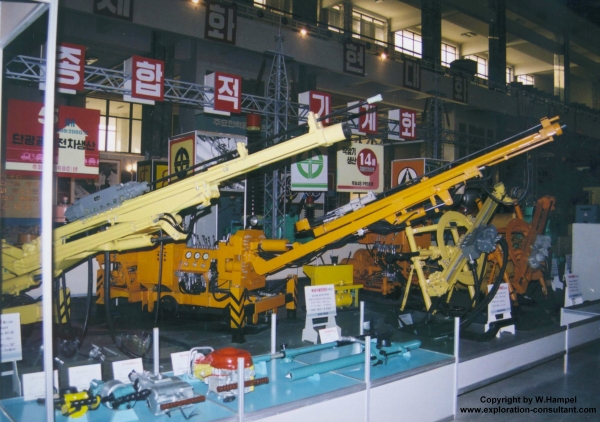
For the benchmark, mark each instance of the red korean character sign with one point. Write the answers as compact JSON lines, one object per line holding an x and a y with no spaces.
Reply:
{"x":227,"y":93}
{"x":317,"y":102}
{"x":408,"y":124}
{"x":366,"y":124}
{"x":70,"y":68}
{"x":147,"y":80}
{"x":402,"y":124}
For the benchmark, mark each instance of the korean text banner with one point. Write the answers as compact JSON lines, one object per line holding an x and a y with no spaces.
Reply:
{"x":75,"y":144}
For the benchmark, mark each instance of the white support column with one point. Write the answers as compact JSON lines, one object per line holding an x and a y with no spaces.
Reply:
{"x":273,"y":333}
{"x":367,"y":376}
{"x":241,"y":388}
{"x":47,"y":201}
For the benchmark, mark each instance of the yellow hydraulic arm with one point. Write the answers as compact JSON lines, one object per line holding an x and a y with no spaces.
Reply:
{"x":403,"y":206}
{"x":132,"y":224}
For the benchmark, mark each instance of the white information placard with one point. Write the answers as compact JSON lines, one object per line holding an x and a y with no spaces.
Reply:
{"x":10,"y":337}
{"x":573,"y":286}
{"x":329,"y":335}
{"x":180,"y":362}
{"x":123,"y":368}
{"x":320,"y":300}
{"x":500,"y":304}
{"x":82,"y":376}
{"x":556,"y":283}
{"x":34,"y":385}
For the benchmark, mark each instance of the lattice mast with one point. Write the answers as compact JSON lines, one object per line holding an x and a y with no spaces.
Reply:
{"x":276,"y":121}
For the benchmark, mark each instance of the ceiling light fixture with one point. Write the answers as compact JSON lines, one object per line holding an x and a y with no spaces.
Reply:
{"x":468,"y":34}
{"x":195,"y":1}
{"x":91,"y":60}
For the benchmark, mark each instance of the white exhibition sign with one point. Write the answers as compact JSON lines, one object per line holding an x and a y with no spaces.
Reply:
{"x":180,"y":362}
{"x":81,"y":376}
{"x":34,"y":385}
{"x":320,"y":300}
{"x":573,"y":294}
{"x":123,"y":368}
{"x":320,"y":304}
{"x":10,"y":337}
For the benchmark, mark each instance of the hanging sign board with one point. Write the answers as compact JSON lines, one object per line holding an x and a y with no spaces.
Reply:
{"x":317,"y":102}
{"x":75,"y":146}
{"x":360,"y":168}
{"x":309,"y":172}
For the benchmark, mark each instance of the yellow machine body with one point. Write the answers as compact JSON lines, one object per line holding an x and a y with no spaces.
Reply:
{"x":341,"y":276}
{"x":134,"y":223}
{"x":201,"y":279}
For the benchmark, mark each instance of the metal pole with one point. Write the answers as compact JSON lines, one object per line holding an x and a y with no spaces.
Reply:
{"x":241,"y":389}
{"x":47,"y":202}
{"x":362,"y":318}
{"x":456,"y":352}
{"x":273,"y":333}
{"x":367,"y":376}
{"x":155,"y":350}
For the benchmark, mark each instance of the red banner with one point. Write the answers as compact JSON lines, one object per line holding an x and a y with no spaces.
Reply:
{"x":75,"y":145}
{"x":318,"y":102}
{"x":147,"y":79}
{"x":70,"y":67}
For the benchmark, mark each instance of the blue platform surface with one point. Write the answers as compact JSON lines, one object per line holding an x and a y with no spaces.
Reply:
{"x":279,"y":394}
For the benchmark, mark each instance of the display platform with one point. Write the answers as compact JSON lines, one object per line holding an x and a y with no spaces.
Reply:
{"x":582,"y":323}
{"x":341,"y":395}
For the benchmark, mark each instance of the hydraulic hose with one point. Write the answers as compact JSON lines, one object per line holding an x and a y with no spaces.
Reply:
{"x":88,"y":304}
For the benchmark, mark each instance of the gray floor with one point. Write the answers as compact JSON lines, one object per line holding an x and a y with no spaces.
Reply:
{"x":582,"y":381}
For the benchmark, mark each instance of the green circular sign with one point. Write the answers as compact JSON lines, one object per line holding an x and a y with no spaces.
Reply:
{"x":312,"y":167}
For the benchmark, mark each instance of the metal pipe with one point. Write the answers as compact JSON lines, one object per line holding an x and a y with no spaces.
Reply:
{"x":319,"y":368}
{"x":273,"y":333}
{"x":155,"y":349}
{"x":290,"y":353}
{"x":362,"y":318}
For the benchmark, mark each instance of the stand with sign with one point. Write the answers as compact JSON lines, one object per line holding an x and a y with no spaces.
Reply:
{"x":573,"y":294}
{"x":499,"y":309}
{"x":320,"y":305}
{"x":11,"y":347}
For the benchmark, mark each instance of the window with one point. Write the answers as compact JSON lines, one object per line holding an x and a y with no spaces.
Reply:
{"x":510,"y":74}
{"x":120,"y":125}
{"x":336,"y":19}
{"x":368,"y":27}
{"x":481,"y":65}
{"x":448,"y":54}
{"x":274,"y":5}
{"x":409,"y":43}
{"x":525,"y":79}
